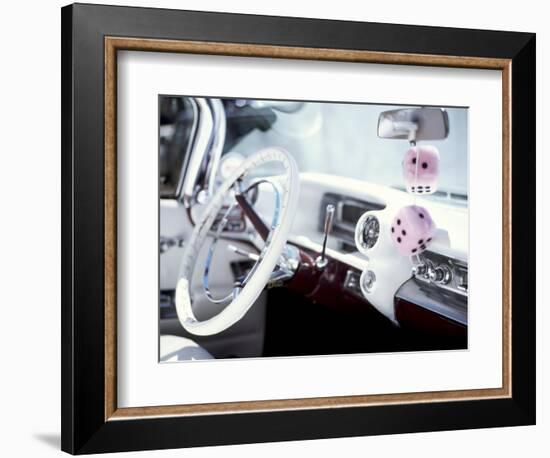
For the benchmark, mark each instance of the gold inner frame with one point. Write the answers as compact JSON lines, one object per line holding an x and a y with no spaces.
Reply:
{"x":114,"y":44}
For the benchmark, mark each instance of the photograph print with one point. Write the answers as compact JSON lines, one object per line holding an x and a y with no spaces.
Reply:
{"x":296,"y":228}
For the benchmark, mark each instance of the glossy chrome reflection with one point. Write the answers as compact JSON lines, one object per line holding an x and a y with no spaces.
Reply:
{"x":429,"y":296}
{"x":204,"y":159}
{"x":367,"y":282}
{"x":414,"y":124}
{"x":321,"y":261}
{"x":209,"y":257}
{"x":367,"y":232}
{"x":442,"y":272}
{"x":257,"y":258}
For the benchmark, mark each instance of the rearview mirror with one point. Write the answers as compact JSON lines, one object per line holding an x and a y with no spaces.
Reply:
{"x":414,"y":124}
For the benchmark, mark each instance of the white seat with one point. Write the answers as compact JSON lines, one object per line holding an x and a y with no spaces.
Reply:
{"x":175,"y":348}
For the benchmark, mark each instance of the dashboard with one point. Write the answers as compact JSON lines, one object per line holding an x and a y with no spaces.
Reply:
{"x":373,"y":271}
{"x":365,"y":267}
{"x":348,"y":210}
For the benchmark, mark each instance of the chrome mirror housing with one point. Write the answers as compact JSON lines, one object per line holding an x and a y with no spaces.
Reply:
{"x":413,"y":124}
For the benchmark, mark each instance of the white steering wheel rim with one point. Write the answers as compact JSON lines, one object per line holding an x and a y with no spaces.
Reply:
{"x":235,"y":310}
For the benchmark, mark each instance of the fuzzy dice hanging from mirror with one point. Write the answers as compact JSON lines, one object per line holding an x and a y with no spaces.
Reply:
{"x":421,"y":169}
{"x":413,"y":228}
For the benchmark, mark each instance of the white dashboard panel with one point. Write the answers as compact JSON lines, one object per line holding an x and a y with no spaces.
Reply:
{"x":390,"y":268}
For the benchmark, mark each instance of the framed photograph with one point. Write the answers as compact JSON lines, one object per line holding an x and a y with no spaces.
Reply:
{"x":284,"y":228}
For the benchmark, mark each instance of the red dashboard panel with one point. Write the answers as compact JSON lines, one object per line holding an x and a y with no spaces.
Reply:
{"x":330,"y":287}
{"x":418,"y":319}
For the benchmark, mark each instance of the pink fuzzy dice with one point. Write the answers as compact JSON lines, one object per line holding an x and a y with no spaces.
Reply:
{"x":412,"y":230}
{"x":421,"y":169}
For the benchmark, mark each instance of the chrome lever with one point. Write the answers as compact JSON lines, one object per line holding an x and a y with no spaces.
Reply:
{"x":321,"y":261}
{"x":285,"y":269}
{"x":246,"y":254}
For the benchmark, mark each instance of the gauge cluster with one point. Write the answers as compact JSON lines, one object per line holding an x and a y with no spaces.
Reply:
{"x":367,"y":232}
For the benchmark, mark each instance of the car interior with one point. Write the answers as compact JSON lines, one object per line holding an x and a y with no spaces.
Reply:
{"x":287,"y":227}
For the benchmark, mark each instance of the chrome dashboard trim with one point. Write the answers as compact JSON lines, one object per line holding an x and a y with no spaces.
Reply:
{"x":430,"y":297}
{"x":458,"y":272}
{"x":189,"y":149}
{"x":200,"y":147}
{"x":200,"y":176}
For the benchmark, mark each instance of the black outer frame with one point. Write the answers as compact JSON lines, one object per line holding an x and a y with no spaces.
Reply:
{"x":83,"y":425}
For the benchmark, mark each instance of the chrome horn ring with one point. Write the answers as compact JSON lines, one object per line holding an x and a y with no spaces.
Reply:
{"x":221,"y":226}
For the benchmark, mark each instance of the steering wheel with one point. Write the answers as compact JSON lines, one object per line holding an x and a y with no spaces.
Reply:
{"x":246,"y":292}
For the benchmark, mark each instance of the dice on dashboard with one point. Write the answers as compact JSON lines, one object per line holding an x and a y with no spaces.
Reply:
{"x":421,"y":169}
{"x":412,"y":230}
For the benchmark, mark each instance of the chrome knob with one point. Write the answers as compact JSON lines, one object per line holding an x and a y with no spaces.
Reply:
{"x":420,"y":270}
{"x":368,"y":281}
{"x":441,"y":275}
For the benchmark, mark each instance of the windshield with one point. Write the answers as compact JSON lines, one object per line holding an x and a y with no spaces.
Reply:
{"x":342,"y":139}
